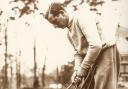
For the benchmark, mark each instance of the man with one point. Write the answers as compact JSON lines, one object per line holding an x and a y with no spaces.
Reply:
{"x":84,"y":36}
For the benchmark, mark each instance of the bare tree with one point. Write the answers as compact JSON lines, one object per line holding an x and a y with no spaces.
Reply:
{"x":6,"y":64}
{"x":43,"y":72}
{"x":36,"y":81}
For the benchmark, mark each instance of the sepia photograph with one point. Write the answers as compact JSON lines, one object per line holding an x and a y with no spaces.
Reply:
{"x":63,"y":44}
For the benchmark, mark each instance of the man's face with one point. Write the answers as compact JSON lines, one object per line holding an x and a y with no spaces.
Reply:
{"x":59,"y":21}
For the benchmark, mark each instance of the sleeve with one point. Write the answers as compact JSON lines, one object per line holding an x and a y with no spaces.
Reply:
{"x":78,"y":60}
{"x":89,"y":29}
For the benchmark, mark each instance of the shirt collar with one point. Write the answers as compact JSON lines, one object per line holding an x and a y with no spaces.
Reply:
{"x":70,"y":19}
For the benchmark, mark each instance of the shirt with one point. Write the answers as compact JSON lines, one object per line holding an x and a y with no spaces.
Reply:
{"x":83,"y":35}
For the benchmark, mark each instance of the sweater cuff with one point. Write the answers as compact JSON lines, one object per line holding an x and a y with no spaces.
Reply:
{"x":78,"y":60}
{"x":87,"y":65}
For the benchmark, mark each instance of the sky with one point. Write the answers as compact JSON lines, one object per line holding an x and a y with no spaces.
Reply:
{"x":50,"y":43}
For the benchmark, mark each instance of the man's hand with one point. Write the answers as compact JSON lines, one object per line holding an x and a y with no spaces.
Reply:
{"x":74,"y":75}
{"x":77,"y":80}
{"x":79,"y":75}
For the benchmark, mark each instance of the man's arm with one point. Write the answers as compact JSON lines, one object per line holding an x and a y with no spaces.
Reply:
{"x":88,"y":27}
{"x":77,"y":57}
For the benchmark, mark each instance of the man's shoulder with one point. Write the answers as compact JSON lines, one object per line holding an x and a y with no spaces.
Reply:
{"x":84,"y":15}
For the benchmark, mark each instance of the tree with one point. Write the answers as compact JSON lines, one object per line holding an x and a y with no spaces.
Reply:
{"x":6,"y":64}
{"x":127,"y":38}
{"x":26,"y":9}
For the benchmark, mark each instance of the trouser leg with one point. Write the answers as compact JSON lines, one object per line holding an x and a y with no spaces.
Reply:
{"x":107,"y":72}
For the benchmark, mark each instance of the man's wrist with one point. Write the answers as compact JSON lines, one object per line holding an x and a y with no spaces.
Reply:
{"x":82,"y":72}
{"x":87,"y":65}
{"x":76,"y":68}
